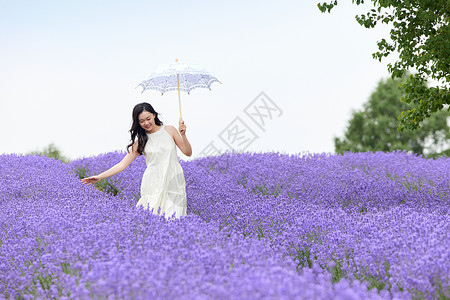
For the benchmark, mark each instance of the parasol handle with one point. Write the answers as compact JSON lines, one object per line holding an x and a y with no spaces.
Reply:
{"x":179,"y":98}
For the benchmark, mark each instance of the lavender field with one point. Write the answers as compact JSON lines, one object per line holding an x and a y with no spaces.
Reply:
{"x":259,"y":225}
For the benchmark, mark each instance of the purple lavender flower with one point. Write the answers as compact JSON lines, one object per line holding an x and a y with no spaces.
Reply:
{"x":352,"y":226}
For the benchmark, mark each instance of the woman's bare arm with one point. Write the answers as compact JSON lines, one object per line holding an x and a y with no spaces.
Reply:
{"x":117,"y":168}
{"x":180,"y":139}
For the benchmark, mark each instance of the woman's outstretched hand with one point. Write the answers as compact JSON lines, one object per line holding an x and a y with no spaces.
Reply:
{"x":90,"y":180}
{"x":182,"y":127}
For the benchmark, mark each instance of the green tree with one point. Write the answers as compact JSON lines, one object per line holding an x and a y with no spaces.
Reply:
{"x":51,"y":151}
{"x":374,"y":128}
{"x":421,"y":36}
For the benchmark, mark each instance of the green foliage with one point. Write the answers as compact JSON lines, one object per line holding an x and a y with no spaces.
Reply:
{"x":302,"y":256}
{"x":81,"y":172}
{"x":420,"y":34}
{"x":106,"y":186}
{"x":336,"y":272}
{"x":51,"y":151}
{"x":375,"y":127}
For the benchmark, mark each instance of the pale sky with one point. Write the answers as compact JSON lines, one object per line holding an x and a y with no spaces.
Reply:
{"x":68,"y":71}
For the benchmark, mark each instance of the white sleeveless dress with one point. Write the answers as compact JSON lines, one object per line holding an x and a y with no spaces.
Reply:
{"x":163,"y":184}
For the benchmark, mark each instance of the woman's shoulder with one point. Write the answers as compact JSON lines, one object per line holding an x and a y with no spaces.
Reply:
{"x":170,"y":129}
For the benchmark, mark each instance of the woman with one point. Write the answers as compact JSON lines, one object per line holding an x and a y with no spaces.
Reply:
{"x":163,"y":187}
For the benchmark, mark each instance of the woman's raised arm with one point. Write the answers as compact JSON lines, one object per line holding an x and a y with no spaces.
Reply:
{"x":117,"y":168}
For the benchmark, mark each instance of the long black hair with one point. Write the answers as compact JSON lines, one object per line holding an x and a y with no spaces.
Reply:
{"x":137,"y":130}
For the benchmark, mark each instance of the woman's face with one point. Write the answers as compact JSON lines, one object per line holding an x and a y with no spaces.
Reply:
{"x":146,"y":120}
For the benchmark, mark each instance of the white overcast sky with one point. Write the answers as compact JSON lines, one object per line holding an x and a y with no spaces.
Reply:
{"x":68,"y":71}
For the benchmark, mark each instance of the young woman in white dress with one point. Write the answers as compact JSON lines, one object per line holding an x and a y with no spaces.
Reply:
{"x":163,"y":186}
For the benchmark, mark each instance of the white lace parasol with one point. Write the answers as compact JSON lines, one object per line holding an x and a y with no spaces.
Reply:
{"x":178,"y":76}
{"x":190,"y":76}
